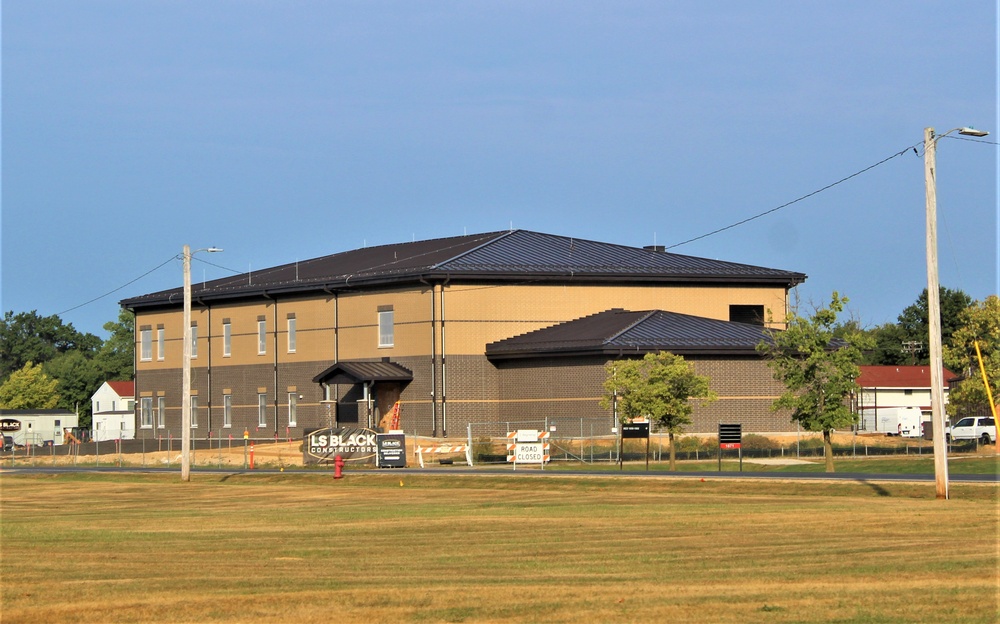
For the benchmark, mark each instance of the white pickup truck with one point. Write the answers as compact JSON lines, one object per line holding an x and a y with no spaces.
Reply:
{"x":979,"y":428}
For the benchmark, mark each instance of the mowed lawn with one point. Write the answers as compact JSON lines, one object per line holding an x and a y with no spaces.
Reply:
{"x":391,"y":548}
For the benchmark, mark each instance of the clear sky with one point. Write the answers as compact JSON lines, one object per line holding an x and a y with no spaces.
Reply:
{"x":286,"y":130}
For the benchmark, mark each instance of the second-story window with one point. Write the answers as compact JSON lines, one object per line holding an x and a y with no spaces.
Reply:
{"x":261,"y":337}
{"x":160,"y":339}
{"x":291,"y":334}
{"x":227,"y":338}
{"x":194,"y":340}
{"x":385,"y":327}
{"x":146,"y":340}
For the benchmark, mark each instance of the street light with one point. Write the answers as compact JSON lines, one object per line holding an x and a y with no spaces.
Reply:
{"x":186,"y":373}
{"x":934,"y":307}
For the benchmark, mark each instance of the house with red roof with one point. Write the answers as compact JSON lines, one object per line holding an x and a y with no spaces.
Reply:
{"x":884,"y":387}
{"x":113,"y":409}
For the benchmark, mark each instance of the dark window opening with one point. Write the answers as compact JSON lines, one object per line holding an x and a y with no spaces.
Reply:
{"x":749,"y":314}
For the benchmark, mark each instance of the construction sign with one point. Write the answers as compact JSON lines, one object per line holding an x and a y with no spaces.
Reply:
{"x":527,"y":446}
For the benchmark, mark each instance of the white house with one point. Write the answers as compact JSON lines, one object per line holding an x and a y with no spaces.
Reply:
{"x":113,"y":409}
{"x":898,"y":386}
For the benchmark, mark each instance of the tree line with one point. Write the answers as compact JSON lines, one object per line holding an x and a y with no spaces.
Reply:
{"x":48,"y":364}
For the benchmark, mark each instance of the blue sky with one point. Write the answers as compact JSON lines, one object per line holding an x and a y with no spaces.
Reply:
{"x":285,"y":130}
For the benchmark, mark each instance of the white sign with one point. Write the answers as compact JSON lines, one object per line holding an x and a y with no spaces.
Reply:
{"x":527,"y":435}
{"x":529,"y":453}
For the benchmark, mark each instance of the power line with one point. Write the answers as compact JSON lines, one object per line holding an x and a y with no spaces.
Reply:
{"x":795,"y":201}
{"x":111,"y":292}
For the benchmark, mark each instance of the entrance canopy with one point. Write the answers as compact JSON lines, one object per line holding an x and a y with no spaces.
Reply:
{"x":364,"y":372}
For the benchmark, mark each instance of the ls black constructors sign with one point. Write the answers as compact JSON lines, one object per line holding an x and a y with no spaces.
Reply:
{"x":351,"y":443}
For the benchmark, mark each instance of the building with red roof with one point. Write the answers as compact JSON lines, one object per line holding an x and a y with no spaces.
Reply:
{"x":898,"y":386}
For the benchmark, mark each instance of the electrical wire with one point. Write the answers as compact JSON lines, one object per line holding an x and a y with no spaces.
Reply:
{"x":111,"y":292}
{"x":795,"y":201}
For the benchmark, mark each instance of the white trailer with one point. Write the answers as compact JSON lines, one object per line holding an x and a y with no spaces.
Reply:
{"x":37,"y":427}
{"x":901,"y":421}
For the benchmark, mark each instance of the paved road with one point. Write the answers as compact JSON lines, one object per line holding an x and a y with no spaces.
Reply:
{"x":532,"y":472}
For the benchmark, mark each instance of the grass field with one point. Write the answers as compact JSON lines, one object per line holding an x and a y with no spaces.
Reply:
{"x":302,"y":547}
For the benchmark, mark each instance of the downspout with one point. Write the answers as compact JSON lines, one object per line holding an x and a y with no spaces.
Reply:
{"x":276,"y":395}
{"x":336,"y":355}
{"x":137,"y":401}
{"x":434,"y":430}
{"x":444,"y":369}
{"x":434,"y":365}
{"x":208,"y":372}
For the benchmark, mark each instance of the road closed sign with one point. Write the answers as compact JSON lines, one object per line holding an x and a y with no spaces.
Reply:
{"x":529,"y":453}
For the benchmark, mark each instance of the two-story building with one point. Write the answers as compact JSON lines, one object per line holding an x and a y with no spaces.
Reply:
{"x":485,"y":329}
{"x":113,"y":409}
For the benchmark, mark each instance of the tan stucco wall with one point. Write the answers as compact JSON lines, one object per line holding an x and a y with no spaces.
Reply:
{"x":346,"y":326}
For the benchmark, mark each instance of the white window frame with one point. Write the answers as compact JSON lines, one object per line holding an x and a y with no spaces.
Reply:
{"x":194,"y":341}
{"x":293,"y":404}
{"x":261,"y":409}
{"x":227,"y":339}
{"x":146,"y":342}
{"x":227,"y":410}
{"x":146,"y":413}
{"x":261,"y":337}
{"x":291,"y":335}
{"x":194,"y":411}
{"x":386,"y":329}
{"x":161,"y":412}
{"x":160,"y":341}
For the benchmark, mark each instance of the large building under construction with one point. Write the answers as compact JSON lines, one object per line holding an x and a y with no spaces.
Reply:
{"x":487,"y":329}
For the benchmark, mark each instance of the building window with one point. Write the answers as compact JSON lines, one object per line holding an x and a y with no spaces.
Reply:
{"x":159,"y":343}
{"x":146,"y":412}
{"x":161,"y":412}
{"x":749,"y":314}
{"x":194,"y":412}
{"x":227,"y":410}
{"x":262,"y":410}
{"x":227,"y":339}
{"x":194,"y":341}
{"x":385,"y":328}
{"x":293,"y":403}
{"x":261,"y":337}
{"x":147,"y":345}
{"x":291,"y":334}
{"x":908,"y":392}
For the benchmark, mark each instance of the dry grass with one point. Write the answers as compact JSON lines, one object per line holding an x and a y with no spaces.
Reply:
{"x":305,"y":548}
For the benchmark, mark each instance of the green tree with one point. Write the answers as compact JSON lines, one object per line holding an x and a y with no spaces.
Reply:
{"x":660,"y":386}
{"x":818,"y":370}
{"x":27,"y":337}
{"x":29,"y":388}
{"x":889,"y":344}
{"x":980,"y":323}
{"x":78,"y":379}
{"x":116,"y":357}
{"x":913,"y":319}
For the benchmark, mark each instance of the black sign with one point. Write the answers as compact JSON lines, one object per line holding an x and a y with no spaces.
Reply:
{"x":730,"y":436}
{"x":9,"y":424}
{"x":635,"y":430}
{"x":391,"y":450}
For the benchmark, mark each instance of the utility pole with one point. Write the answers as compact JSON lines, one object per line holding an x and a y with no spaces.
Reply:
{"x":934,"y":318}
{"x":934,"y":307}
